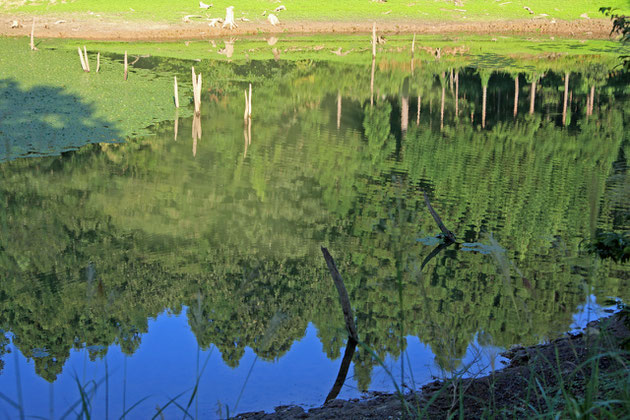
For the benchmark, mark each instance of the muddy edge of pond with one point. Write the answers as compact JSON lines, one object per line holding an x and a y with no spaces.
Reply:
{"x":73,"y":26}
{"x":509,"y":385}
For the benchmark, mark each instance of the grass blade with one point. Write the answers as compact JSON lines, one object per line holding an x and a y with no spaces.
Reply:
{"x":10,"y":401}
{"x":122,"y":416}
{"x":85,"y":402}
{"x":167,"y":404}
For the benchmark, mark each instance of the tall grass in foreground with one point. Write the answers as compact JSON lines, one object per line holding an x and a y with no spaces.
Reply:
{"x":581,"y":378}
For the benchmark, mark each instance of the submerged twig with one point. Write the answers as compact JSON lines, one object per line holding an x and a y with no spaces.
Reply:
{"x":434,"y":253}
{"x":448,"y":235}
{"x":343,"y":295}
{"x":343,"y":370}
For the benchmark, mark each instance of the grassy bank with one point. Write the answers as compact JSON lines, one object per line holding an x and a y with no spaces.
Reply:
{"x":350,"y":10}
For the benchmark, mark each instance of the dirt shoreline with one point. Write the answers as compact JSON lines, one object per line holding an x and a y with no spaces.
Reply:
{"x":114,"y":29}
{"x":507,"y":388}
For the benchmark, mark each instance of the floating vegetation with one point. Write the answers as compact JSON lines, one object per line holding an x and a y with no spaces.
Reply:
{"x":50,"y":105}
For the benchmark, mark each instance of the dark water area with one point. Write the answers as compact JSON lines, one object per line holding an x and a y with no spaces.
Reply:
{"x":190,"y":259}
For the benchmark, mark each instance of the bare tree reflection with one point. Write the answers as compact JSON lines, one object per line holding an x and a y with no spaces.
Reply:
{"x":228,"y":49}
{"x":196,"y":132}
{"x":566,"y":98}
{"x":404,"y":114}
{"x":515,"y":95}
{"x":176,"y":125}
{"x":372,"y":81}
{"x":338,"y":109}
{"x":442,"y":102}
{"x":532,"y":97}
{"x":457,"y":94}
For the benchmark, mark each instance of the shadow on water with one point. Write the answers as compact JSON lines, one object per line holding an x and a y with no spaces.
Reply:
{"x":45,"y":121}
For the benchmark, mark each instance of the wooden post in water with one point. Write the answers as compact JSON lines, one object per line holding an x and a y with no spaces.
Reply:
{"x":87,"y":61}
{"x":413,"y":46}
{"x":413,"y":52}
{"x":126,"y":67}
{"x":419,"y":106}
{"x":247,"y":119}
{"x":176,"y":92}
{"x":373,"y":64}
{"x":566,"y":98}
{"x":248,"y":104}
{"x":98,"y":61}
{"x":374,"y":40}
{"x":83,"y":65}
{"x":33,"y":48}
{"x":198,"y":107}
{"x":246,"y":112}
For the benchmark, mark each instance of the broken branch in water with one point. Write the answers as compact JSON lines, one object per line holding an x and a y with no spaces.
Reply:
{"x":343,"y":295}
{"x":448,"y":235}
{"x":434,"y":253}
{"x":343,"y":370}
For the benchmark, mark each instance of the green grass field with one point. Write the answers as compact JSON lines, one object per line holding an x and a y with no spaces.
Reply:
{"x":347,"y":10}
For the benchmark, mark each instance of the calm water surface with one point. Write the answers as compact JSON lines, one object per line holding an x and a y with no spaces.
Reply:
{"x":137,"y":271}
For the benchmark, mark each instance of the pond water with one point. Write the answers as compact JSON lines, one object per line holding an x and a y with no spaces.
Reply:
{"x":187,"y":262}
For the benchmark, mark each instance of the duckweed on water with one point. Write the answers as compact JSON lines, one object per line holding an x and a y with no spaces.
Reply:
{"x":49,"y":105}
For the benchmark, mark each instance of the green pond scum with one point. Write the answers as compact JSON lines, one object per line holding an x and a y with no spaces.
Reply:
{"x":224,"y":227}
{"x":47,"y":88}
{"x":50,"y":105}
